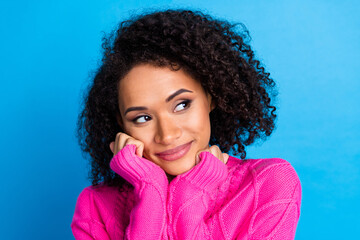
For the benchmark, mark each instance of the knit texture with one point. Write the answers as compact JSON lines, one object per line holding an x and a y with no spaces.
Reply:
{"x":251,"y":199}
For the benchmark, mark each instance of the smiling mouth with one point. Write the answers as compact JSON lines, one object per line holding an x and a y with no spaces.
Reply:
{"x":175,"y":153}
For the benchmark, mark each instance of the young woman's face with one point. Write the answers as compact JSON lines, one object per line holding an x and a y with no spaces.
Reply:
{"x":169,"y":112}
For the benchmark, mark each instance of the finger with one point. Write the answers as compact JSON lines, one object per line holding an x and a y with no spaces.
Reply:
{"x":197,"y":157}
{"x":215,"y":150}
{"x":226,"y":157}
{"x":119,"y":142}
{"x":112,"y":146}
{"x":140,"y":149}
{"x":139,"y":145}
{"x":117,"y":146}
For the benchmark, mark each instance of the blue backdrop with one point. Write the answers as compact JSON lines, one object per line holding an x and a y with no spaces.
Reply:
{"x":49,"y":48}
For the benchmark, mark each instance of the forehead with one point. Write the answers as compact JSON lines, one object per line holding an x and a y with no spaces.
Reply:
{"x":147,"y":83}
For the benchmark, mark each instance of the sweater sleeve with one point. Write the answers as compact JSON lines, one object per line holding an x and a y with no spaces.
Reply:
{"x":148,"y":216}
{"x":189,"y":197}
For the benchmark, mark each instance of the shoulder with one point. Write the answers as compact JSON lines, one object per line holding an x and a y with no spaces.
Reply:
{"x":271,"y":177}
{"x":276,"y":177}
{"x":92,"y":198}
{"x":261,"y":169}
{"x":101,"y":212}
{"x":268,"y":191}
{"x":97,"y":191}
{"x":100,"y":202}
{"x":100,"y":194}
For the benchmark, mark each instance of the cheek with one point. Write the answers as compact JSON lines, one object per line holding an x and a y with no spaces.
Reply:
{"x":143,"y":135}
{"x":199,"y":123}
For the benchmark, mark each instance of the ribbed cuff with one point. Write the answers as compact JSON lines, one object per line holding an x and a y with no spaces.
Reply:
{"x":208,"y":174}
{"x":135,"y":169}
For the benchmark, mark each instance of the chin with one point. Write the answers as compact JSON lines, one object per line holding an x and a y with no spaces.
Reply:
{"x":178,"y":170}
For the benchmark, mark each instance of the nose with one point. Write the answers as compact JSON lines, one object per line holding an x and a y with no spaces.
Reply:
{"x":167,"y":131}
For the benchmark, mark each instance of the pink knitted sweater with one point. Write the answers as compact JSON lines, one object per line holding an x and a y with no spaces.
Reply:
{"x":252,"y":199}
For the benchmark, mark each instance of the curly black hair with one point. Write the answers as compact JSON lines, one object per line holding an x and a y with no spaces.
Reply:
{"x":214,"y":52}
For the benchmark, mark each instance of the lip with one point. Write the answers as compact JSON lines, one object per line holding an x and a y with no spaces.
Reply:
{"x":175,"y":153}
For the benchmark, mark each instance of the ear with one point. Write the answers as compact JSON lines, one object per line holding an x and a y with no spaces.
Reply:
{"x":212,"y":106}
{"x":211,"y":102}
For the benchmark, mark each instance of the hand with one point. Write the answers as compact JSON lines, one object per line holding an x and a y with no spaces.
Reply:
{"x":122,"y":139}
{"x":130,"y":165}
{"x":214,"y":150}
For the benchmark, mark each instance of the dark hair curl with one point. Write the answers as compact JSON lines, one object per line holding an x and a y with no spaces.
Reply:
{"x":214,"y":52}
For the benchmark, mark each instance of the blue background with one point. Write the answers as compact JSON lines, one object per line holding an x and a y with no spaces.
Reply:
{"x":49,"y":48}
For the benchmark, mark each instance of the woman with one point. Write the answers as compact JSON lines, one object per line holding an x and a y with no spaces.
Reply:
{"x":176,"y":91}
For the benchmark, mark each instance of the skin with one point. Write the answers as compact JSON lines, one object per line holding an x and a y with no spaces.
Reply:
{"x":161,"y":110}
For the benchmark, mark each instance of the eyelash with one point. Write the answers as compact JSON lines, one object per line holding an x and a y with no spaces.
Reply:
{"x":142,"y":116}
{"x":187,"y":104}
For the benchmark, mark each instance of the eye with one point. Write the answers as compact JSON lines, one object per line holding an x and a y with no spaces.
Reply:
{"x":142,"y":119}
{"x":182,"y":106}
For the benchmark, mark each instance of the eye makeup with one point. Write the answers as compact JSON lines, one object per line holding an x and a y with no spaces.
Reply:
{"x":186,"y":104}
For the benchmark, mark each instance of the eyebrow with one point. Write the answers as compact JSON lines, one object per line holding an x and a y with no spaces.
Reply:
{"x":135,"y":109}
{"x":140,"y":108}
{"x":182,"y":90}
